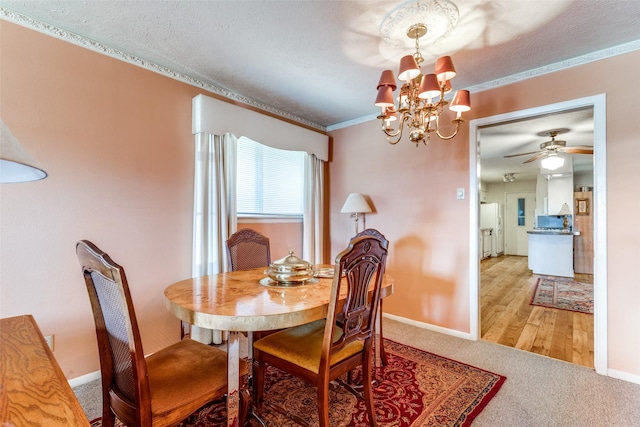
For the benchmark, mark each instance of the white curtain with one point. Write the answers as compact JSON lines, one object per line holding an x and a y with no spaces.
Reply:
{"x":214,"y":210}
{"x":313,"y":209}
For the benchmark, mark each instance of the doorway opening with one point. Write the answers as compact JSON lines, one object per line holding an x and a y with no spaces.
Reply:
{"x":598,"y":104}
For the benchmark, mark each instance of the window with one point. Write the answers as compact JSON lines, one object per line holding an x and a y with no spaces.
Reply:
{"x":270,"y":180}
{"x":521,"y":213}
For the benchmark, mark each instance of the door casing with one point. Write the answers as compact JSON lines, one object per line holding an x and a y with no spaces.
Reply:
{"x":598,"y":103}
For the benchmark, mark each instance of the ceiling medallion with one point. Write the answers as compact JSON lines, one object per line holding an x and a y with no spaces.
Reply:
{"x":422,"y":97}
{"x":440,"y":17}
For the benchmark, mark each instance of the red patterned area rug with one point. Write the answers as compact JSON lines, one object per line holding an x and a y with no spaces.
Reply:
{"x":417,"y":388}
{"x":563,"y":293}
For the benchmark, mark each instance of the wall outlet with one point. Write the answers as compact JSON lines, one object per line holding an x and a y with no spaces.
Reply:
{"x":49,"y":340}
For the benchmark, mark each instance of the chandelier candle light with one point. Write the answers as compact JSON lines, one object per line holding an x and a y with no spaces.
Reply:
{"x":422,"y":97}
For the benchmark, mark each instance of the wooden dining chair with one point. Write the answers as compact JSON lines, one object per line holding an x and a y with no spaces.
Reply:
{"x":161,"y":389}
{"x":380,"y":341}
{"x":247,"y":249}
{"x":325,"y":350}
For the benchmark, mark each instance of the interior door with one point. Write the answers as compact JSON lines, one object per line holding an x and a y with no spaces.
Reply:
{"x":518,"y":219}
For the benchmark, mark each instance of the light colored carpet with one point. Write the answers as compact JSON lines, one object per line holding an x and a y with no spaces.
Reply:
{"x":539,"y":391}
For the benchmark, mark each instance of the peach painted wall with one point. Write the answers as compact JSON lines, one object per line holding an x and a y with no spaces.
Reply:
{"x":116,"y":142}
{"x":413,"y":194}
{"x":283,"y":237}
{"x":413,"y":190}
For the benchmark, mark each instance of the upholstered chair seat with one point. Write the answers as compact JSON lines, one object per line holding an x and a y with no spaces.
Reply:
{"x":302,"y":346}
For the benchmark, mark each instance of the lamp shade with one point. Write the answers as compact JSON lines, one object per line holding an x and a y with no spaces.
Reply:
{"x":445,"y":69}
{"x":385,"y":97}
{"x":16,"y":165}
{"x":552,"y":162}
{"x":387,"y":79}
{"x":429,"y":87}
{"x":565,"y":210}
{"x":408,"y":68}
{"x":461,"y":101}
{"x":355,"y":203}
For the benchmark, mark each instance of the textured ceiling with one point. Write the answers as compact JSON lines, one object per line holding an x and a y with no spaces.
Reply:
{"x":318,"y":62}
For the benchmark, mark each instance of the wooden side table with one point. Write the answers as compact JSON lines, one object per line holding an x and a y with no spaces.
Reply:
{"x":33,"y":389}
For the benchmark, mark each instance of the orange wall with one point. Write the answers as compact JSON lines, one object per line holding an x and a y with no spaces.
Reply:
{"x":414,"y":193}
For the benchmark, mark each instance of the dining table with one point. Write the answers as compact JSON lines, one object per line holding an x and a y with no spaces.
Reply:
{"x":246,"y":301}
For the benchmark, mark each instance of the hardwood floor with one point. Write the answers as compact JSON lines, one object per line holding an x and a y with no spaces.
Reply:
{"x":507,"y":318}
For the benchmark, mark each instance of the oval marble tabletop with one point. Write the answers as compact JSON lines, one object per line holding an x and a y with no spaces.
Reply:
{"x":236,"y":301}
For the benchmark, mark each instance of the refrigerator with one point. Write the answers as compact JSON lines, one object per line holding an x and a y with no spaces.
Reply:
{"x":491,"y":217}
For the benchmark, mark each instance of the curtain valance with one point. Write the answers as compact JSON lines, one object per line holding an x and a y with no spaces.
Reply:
{"x":217,"y":117}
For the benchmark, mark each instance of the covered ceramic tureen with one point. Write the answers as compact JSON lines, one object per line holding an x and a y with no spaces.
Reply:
{"x":290,"y":269}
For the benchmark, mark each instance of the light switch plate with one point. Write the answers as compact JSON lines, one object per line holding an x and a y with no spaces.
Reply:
{"x":460,"y":193}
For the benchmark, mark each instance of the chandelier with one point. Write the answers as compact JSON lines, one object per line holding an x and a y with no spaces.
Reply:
{"x":421,"y":101}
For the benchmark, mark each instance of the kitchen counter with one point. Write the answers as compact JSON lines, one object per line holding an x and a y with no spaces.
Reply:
{"x":555,"y":232}
{"x":551,"y":252}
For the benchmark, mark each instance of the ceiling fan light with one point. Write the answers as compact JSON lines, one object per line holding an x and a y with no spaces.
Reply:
{"x":408,"y":68}
{"x":552,"y":162}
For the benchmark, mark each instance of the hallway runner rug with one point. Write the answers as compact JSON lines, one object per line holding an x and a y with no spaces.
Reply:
{"x":563,"y":293}
{"x":417,"y":388}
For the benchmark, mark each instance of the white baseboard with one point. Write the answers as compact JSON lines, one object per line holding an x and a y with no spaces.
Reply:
{"x":84,"y":379}
{"x":624,"y":376}
{"x":613,"y":373}
{"x":427,"y":326}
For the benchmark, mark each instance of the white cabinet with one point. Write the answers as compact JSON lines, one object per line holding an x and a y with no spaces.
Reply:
{"x":551,"y":254}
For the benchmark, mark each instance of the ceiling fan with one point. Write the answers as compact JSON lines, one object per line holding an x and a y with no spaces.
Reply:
{"x":553,"y":148}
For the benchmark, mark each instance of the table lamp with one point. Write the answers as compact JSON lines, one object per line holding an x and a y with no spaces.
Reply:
{"x":356,"y":204}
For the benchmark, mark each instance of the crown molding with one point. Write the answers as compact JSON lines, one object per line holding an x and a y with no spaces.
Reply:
{"x":558,"y":66}
{"x":76,"y":39}
{"x":70,"y":37}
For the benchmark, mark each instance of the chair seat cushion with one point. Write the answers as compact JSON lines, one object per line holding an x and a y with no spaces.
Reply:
{"x":185,"y":376}
{"x":302,"y":345}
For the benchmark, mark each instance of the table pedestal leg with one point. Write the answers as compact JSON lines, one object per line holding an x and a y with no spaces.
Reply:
{"x":233,"y":379}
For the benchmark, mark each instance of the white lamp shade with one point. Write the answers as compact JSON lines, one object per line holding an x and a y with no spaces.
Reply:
{"x":16,"y":165}
{"x":552,"y":162}
{"x":565,"y":210}
{"x":355,"y":203}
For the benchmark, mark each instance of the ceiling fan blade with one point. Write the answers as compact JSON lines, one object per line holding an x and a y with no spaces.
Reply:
{"x":522,"y":154}
{"x":536,"y":157}
{"x":578,"y":149}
